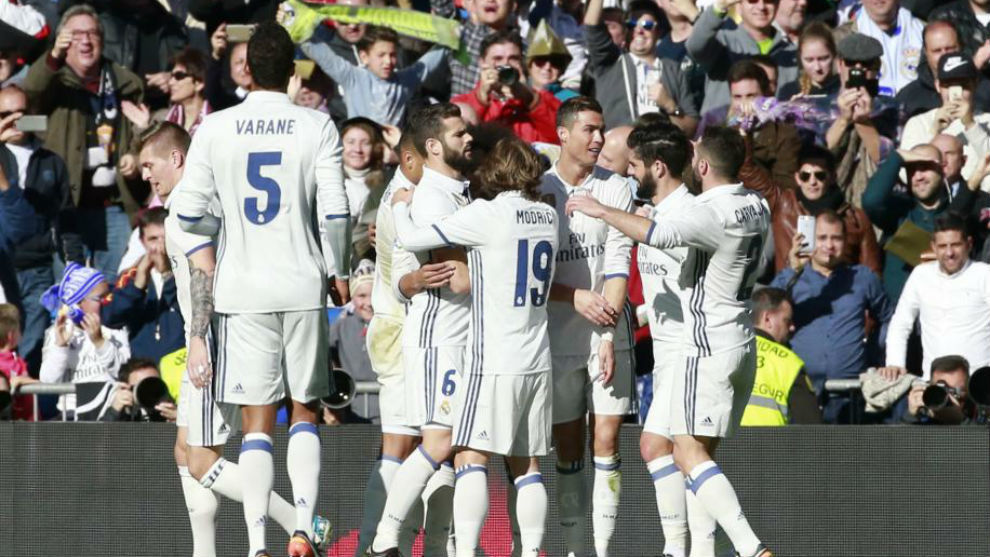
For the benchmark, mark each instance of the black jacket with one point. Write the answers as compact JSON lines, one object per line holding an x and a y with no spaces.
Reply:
{"x":972,"y":34}
{"x":974,"y":206}
{"x":48,"y":192}
{"x":921,"y":96}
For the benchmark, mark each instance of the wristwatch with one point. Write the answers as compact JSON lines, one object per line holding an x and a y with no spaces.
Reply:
{"x":677,"y":112}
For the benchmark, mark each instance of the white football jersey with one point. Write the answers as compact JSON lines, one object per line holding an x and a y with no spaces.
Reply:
{"x":590,"y":252}
{"x":511,"y":266}
{"x":383,"y":300}
{"x":660,"y":271}
{"x":276,"y":169}
{"x":437,"y":316}
{"x":179,"y":245}
{"x":725,"y":229}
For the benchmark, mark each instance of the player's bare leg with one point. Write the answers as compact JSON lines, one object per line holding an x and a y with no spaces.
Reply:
{"x":201,"y":503}
{"x":608,"y":478}
{"x":395,"y":449}
{"x":713,"y":492}
{"x":530,"y":504}
{"x":409,"y":483}
{"x":303,"y":464}
{"x":470,"y":499}
{"x":571,"y":497}
{"x":668,"y":481}
{"x":259,"y":471}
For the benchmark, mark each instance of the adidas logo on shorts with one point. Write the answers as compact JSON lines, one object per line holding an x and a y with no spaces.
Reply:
{"x":483,"y":436}
{"x":707,"y":421}
{"x":238,"y":389}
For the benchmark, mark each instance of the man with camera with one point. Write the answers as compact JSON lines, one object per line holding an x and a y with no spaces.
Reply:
{"x":503,"y":95}
{"x":140,"y":395}
{"x":944,"y":400}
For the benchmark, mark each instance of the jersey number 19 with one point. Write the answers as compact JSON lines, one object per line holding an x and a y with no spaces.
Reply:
{"x":542,"y":265}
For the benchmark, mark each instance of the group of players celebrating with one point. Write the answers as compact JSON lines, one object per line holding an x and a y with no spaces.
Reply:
{"x":500,"y":325}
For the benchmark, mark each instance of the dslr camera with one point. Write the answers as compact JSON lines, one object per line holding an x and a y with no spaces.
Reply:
{"x":507,"y":75}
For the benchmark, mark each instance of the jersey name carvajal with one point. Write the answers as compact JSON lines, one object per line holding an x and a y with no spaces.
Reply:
{"x":276,"y":169}
{"x":589,"y":253}
{"x":725,"y":231}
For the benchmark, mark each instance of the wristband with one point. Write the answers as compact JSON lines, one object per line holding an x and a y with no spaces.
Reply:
{"x":608,"y":336}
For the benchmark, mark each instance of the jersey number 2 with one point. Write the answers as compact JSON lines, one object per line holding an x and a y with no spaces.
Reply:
{"x":752,"y":265}
{"x":542,"y":261}
{"x":252,"y":205}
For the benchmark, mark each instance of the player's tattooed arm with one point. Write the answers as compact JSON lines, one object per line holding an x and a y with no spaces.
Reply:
{"x":201,"y":295}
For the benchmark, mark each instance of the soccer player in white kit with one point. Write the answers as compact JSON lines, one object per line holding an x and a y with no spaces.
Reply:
{"x":504,"y":402}
{"x":275,"y":168}
{"x":203,"y":427}
{"x":659,"y":154}
{"x":724,"y":231}
{"x":384,"y":344}
{"x":589,"y":331}
{"x":434,"y":335}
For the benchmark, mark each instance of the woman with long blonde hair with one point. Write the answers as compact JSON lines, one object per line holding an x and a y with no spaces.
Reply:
{"x":817,"y":55}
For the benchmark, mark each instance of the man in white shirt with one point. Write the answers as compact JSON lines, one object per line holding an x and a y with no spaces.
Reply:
{"x":273,"y":166}
{"x":901,"y":35}
{"x":589,"y":329}
{"x":950,"y":296}
{"x":435,"y":332}
{"x":202,"y":427}
{"x":956,"y":83}
{"x":724,"y":231}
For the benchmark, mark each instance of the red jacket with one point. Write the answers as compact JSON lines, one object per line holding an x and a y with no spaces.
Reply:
{"x":12,"y":365}
{"x":536,"y":124}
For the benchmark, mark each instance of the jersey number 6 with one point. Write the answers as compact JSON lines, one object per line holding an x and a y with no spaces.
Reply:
{"x":542,"y":261}
{"x":252,"y":209}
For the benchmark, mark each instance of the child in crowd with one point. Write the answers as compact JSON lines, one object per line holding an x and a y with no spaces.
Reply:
{"x":13,"y":368}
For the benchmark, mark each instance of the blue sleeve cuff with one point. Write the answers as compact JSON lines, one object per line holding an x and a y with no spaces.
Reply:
{"x":442,"y":237}
{"x":649,"y":233}
{"x":199,"y":247}
{"x":190,"y":219}
{"x":616,"y":275}
{"x":338,"y":216}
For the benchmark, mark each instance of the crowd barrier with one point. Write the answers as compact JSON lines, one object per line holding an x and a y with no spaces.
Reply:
{"x":89,"y":489}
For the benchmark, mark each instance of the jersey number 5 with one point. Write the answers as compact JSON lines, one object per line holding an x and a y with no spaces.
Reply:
{"x":542,"y":261}
{"x":252,"y":205}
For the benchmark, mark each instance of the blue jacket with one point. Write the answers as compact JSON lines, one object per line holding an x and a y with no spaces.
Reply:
{"x":16,"y":218}
{"x":155,"y":325}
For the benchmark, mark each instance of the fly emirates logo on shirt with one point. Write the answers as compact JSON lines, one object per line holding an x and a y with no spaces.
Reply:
{"x":578,"y":247}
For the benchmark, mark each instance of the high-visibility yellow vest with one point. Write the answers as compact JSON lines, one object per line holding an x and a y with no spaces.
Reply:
{"x":776,"y":369}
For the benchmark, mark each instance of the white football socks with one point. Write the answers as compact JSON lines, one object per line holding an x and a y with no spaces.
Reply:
{"x":701,"y":525}
{"x":605,"y":501}
{"x":224,"y":477}
{"x":671,"y":504}
{"x":470,"y":507}
{"x":258,"y":477}
{"x":571,"y":504}
{"x":510,"y":509}
{"x":302,"y":461}
{"x":531,"y":512}
{"x":716,"y":495}
{"x":375,"y":494}
{"x":407,"y":488}
{"x":201,"y":504}
{"x":438,"y":501}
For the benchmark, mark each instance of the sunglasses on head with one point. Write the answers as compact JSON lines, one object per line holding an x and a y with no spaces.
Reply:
{"x":820,"y":175}
{"x":646,"y":24}
{"x":179,"y":76}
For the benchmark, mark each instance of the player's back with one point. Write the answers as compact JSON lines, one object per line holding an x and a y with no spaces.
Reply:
{"x":383,"y":300}
{"x":724,"y":271}
{"x":267,"y":156}
{"x":511,"y":273}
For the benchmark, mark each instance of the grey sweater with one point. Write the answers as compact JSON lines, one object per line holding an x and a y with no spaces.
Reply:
{"x":715,"y":43}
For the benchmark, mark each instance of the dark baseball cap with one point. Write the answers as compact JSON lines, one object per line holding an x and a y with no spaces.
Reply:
{"x":956,"y":65}
{"x":858,"y":47}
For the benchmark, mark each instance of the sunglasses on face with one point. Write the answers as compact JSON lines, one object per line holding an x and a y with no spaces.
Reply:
{"x":7,"y":113}
{"x":646,"y":24}
{"x":179,"y":76}
{"x":819,"y":175}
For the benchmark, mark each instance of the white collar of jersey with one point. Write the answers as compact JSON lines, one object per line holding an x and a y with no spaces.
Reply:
{"x":446,"y":183}
{"x":267,"y":96}
{"x":672,"y":198}
{"x":724,"y":189}
{"x":568,"y":187}
{"x":400,"y":181}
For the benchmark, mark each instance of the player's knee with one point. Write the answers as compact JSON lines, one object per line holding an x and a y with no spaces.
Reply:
{"x":200,"y":462}
{"x":652,"y":446}
{"x":606,"y":440}
{"x":689,"y":453}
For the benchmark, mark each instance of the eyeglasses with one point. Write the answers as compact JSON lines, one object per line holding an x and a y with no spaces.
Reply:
{"x":179,"y":76}
{"x":820,"y":175}
{"x":82,"y":33}
{"x":646,"y":24}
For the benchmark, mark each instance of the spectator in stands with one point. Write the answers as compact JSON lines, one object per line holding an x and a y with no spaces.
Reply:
{"x":347,"y":343}
{"x":236,"y":67}
{"x":951,"y":299}
{"x":831,"y":299}
{"x":375,"y":89}
{"x":316,"y":92}
{"x":508,"y":99}
{"x":673,"y":45}
{"x":78,"y":349}
{"x":816,"y":193}
{"x":921,"y":95}
{"x":782,"y":393}
{"x":124,"y":406}
{"x":615,"y":22}
{"x":615,"y":152}
{"x":186,"y":85}
{"x":23,"y":35}
{"x":563,"y":19}
{"x":364,"y":179}
{"x":214,"y":13}
{"x":484,"y":18}
{"x":866,"y":126}
{"x":13,"y":368}
{"x":80,"y":90}
{"x":900,"y":216}
{"x":950,"y":372}
{"x":42,"y":176}
{"x":636,"y":81}
{"x":791,"y":17}
{"x":956,"y":84}
{"x":546,"y":60}
{"x":817,"y":55}
{"x":900,"y":35}
{"x":717,"y":46}
{"x":968,"y":199}
{"x":969,"y":17}
{"x":144,"y":300}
